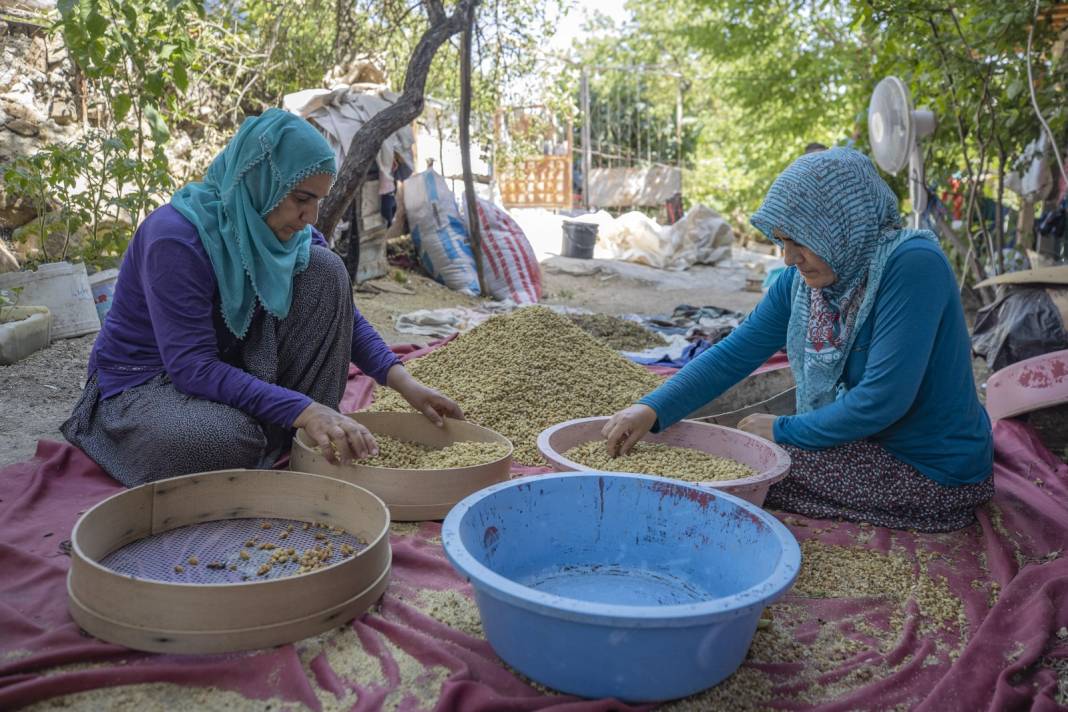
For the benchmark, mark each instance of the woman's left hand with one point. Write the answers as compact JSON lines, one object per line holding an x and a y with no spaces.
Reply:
{"x":432,"y":403}
{"x":760,"y":424}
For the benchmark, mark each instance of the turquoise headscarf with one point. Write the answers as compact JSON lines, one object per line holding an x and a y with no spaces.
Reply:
{"x":268,"y":157}
{"x":835,"y":204}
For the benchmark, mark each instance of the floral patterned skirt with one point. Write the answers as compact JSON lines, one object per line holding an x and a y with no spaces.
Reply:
{"x":862,"y":482}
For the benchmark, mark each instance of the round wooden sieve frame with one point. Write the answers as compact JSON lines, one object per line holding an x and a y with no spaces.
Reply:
{"x":174,"y":617}
{"x":411,"y":495}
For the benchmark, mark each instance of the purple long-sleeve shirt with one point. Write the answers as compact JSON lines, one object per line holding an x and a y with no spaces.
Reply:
{"x":165,"y":318}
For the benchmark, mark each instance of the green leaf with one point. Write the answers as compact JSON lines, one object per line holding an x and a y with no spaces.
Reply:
{"x":67,"y":8}
{"x":154,"y":85}
{"x":97,"y":52}
{"x":181,"y":77}
{"x":121,"y":106}
{"x":130,"y":12}
{"x":166,"y":51}
{"x":160,"y":133}
{"x":96,"y":25}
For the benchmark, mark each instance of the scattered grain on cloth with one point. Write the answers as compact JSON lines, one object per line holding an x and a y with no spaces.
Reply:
{"x":681,"y":463}
{"x":522,"y":372}
{"x":452,"y":608}
{"x":829,"y":571}
{"x":161,"y":697}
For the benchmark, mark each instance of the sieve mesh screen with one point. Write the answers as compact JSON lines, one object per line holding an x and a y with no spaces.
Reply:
{"x":217,"y":548}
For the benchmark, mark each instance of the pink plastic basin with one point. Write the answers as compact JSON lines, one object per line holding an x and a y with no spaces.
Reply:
{"x":1032,"y":384}
{"x":770,"y":461}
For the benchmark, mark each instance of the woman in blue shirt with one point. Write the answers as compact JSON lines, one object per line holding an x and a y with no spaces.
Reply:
{"x":888,"y":427}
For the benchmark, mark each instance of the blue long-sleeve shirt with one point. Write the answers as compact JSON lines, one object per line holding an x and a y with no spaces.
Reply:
{"x":165,"y":318}
{"x":909,"y":376}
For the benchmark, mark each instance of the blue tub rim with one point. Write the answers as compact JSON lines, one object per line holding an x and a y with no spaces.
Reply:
{"x":746,"y":601}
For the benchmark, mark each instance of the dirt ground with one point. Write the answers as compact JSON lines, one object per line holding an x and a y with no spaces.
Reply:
{"x":38,"y":393}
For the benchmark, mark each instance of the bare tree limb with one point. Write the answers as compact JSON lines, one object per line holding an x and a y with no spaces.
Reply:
{"x":435,"y":12}
{"x":368,"y":140}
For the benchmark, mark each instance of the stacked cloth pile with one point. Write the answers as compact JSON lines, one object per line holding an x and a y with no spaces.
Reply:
{"x":971,"y":620}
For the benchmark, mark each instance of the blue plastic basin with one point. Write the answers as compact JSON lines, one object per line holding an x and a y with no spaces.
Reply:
{"x":617,"y":585}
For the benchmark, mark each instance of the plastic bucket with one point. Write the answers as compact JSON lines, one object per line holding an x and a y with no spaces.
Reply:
{"x":579,"y":239}
{"x":618,"y":585}
{"x":769,"y":462}
{"x":64,"y":289}
{"x":103,"y":286}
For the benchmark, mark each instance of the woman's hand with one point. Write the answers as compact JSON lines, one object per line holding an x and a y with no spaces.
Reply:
{"x":428,"y":401}
{"x":760,"y":424}
{"x":627,"y":427}
{"x":340,"y":438}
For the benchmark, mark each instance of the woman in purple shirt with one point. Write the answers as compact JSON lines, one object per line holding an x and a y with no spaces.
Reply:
{"x":233,"y":323}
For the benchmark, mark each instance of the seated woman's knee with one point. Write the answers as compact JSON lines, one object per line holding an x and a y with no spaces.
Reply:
{"x":219,"y":443}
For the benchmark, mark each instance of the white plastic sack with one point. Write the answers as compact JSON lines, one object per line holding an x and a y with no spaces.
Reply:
{"x":509,"y":266}
{"x":439,"y":233}
{"x":700,"y":237}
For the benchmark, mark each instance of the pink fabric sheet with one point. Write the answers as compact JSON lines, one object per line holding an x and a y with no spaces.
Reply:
{"x":1006,"y":657}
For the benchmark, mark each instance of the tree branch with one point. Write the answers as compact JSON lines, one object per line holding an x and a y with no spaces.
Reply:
{"x":368,"y":140}
{"x":977,"y":267}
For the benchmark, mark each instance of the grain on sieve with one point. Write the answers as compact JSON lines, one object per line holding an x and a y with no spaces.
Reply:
{"x":407,"y":455}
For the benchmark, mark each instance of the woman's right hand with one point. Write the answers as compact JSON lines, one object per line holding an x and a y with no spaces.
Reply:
{"x":627,"y":427}
{"x":340,"y":438}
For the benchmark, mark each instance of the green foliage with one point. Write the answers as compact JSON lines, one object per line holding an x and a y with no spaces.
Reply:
{"x":967,"y":62}
{"x":762,"y":80}
{"x":508,"y":37}
{"x":139,"y":52}
{"x":137,"y":58}
{"x":44,"y":178}
{"x":768,"y":78}
{"x":91,"y":184}
{"x":292,"y":45}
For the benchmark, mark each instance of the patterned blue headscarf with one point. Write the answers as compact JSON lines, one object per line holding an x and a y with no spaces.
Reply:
{"x":268,"y":157}
{"x":835,"y":204}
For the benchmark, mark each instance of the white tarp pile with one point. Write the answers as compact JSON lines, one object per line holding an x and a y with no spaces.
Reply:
{"x":700,"y":237}
{"x":341,"y":111}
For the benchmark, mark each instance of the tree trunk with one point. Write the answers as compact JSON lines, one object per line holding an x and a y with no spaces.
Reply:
{"x":368,"y":140}
{"x":473,"y":223}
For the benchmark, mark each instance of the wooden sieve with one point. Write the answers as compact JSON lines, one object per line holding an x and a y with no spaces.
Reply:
{"x":411,"y":495}
{"x":158,"y":567}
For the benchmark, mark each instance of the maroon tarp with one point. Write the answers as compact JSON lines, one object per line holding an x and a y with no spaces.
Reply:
{"x":1004,"y":654}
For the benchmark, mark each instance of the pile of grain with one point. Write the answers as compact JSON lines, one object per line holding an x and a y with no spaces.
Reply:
{"x":681,"y":463}
{"x":615,"y":333}
{"x":522,"y":372}
{"x":413,"y":456}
